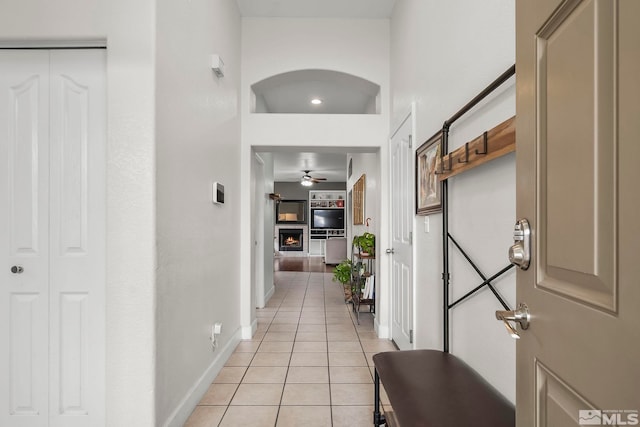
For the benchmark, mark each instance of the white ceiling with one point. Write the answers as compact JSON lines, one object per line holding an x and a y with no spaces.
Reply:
{"x":370,"y":9}
{"x":292,"y":92}
{"x":289,"y":164}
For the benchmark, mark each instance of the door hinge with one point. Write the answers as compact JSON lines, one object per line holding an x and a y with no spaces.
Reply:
{"x":410,"y":336}
{"x":410,"y":142}
{"x":411,"y":237}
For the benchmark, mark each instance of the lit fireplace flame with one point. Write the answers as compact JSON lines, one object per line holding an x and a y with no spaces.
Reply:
{"x":289,"y":241}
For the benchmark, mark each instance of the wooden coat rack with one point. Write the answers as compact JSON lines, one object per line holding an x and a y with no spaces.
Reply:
{"x":492,"y":144}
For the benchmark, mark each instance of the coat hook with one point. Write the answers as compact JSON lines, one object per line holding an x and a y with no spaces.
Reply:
{"x":466,"y":154}
{"x":485,"y":140}
{"x":449,"y":157}
{"x":441,"y":171}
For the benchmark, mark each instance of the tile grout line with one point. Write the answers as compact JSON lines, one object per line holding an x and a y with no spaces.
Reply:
{"x":284,"y":384}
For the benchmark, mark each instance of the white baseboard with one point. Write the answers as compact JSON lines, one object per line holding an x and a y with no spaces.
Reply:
{"x":180,"y":415}
{"x":269,"y":294}
{"x":382,"y":331}
{"x":248,"y":331}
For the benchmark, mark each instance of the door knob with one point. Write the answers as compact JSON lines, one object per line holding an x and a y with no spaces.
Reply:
{"x":520,"y":252}
{"x":16,"y":269}
{"x":389,"y":251}
{"x":520,"y":315}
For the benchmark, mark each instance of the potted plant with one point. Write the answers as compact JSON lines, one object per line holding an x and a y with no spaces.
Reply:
{"x":366,"y":243}
{"x":343,"y":273}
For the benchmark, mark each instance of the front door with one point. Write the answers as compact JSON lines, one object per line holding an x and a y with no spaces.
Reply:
{"x":401,"y":235}
{"x":578,"y":154}
{"x":52,"y":237}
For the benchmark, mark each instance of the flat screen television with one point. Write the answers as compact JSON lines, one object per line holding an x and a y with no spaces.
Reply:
{"x":327,"y":218}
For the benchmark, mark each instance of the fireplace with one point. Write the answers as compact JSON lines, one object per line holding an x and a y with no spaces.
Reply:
{"x":291,"y":239}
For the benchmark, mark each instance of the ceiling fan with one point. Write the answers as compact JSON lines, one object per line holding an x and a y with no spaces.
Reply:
{"x":308,"y":180}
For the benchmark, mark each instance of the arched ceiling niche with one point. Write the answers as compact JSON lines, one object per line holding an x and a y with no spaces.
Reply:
{"x":339,"y":93}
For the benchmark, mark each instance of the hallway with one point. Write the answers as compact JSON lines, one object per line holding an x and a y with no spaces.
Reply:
{"x":309,"y":363}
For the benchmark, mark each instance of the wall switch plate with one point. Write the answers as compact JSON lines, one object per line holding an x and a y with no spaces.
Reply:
{"x":217,"y":328}
{"x":426,"y":224}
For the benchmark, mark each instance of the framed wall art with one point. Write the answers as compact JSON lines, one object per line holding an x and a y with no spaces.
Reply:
{"x":428,"y":186}
{"x":358,"y":201}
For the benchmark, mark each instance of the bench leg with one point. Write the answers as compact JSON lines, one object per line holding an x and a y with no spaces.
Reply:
{"x":378,"y":419}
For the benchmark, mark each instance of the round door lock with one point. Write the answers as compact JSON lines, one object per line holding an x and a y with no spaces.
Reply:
{"x":520,"y":252}
{"x":516,"y":254}
{"x":16,"y":269}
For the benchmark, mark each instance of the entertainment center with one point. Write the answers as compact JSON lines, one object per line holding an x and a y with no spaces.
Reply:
{"x":327,"y":218}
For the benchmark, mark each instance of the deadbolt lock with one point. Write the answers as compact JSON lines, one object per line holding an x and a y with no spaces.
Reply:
{"x":520,"y":251}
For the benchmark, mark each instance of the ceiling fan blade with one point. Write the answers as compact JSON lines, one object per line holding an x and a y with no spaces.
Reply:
{"x":318,"y":179}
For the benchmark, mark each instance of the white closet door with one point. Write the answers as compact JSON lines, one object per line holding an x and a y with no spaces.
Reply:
{"x":52,"y":192}
{"x":77,"y":237}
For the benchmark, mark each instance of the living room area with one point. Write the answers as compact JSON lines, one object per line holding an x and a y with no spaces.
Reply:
{"x":316,"y":212}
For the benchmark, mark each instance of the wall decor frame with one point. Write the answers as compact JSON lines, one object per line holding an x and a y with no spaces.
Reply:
{"x":358,"y":200}
{"x":428,"y":186}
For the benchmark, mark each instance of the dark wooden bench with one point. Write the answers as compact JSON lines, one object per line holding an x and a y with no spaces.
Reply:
{"x":430,"y":388}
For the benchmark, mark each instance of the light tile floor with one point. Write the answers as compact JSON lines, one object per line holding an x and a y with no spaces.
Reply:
{"x":309,"y":363}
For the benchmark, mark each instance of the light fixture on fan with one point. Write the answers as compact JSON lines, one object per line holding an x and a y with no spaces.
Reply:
{"x":307,"y":180}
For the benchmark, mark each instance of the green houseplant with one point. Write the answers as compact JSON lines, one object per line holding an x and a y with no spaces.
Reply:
{"x":343,"y":273}
{"x":366,"y":243}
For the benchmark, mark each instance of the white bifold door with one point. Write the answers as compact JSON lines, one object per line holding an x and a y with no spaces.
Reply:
{"x":52,"y":237}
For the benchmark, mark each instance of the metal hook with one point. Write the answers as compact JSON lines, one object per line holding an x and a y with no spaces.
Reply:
{"x":441,"y":171}
{"x":449,"y":157}
{"x":466,"y":154}
{"x":485,"y":140}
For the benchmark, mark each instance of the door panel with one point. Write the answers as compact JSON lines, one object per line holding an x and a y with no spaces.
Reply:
{"x":576,"y":248}
{"x":401,"y":229}
{"x":77,"y":218}
{"x":24,"y":236}
{"x":27,"y":357}
{"x":557,"y":402}
{"x":577,"y":133}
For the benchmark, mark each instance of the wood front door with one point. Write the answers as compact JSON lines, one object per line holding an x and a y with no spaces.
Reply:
{"x":52,"y":237}
{"x":578,"y":154}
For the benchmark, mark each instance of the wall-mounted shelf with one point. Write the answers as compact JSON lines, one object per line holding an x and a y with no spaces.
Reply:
{"x":492,"y":144}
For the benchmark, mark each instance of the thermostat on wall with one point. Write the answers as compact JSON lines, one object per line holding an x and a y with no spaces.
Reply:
{"x":217,"y":193}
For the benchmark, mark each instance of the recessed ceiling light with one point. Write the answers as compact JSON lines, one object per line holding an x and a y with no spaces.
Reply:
{"x":316,"y":101}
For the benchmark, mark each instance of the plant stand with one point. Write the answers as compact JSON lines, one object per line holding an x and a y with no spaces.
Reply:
{"x":363,"y":282}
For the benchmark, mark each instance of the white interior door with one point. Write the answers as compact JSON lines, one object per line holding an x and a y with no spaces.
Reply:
{"x":52,"y":152}
{"x":258,"y":237}
{"x":401,"y":236}
{"x":578,"y":85}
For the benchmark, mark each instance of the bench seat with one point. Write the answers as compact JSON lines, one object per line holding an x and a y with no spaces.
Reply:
{"x":430,"y":388}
